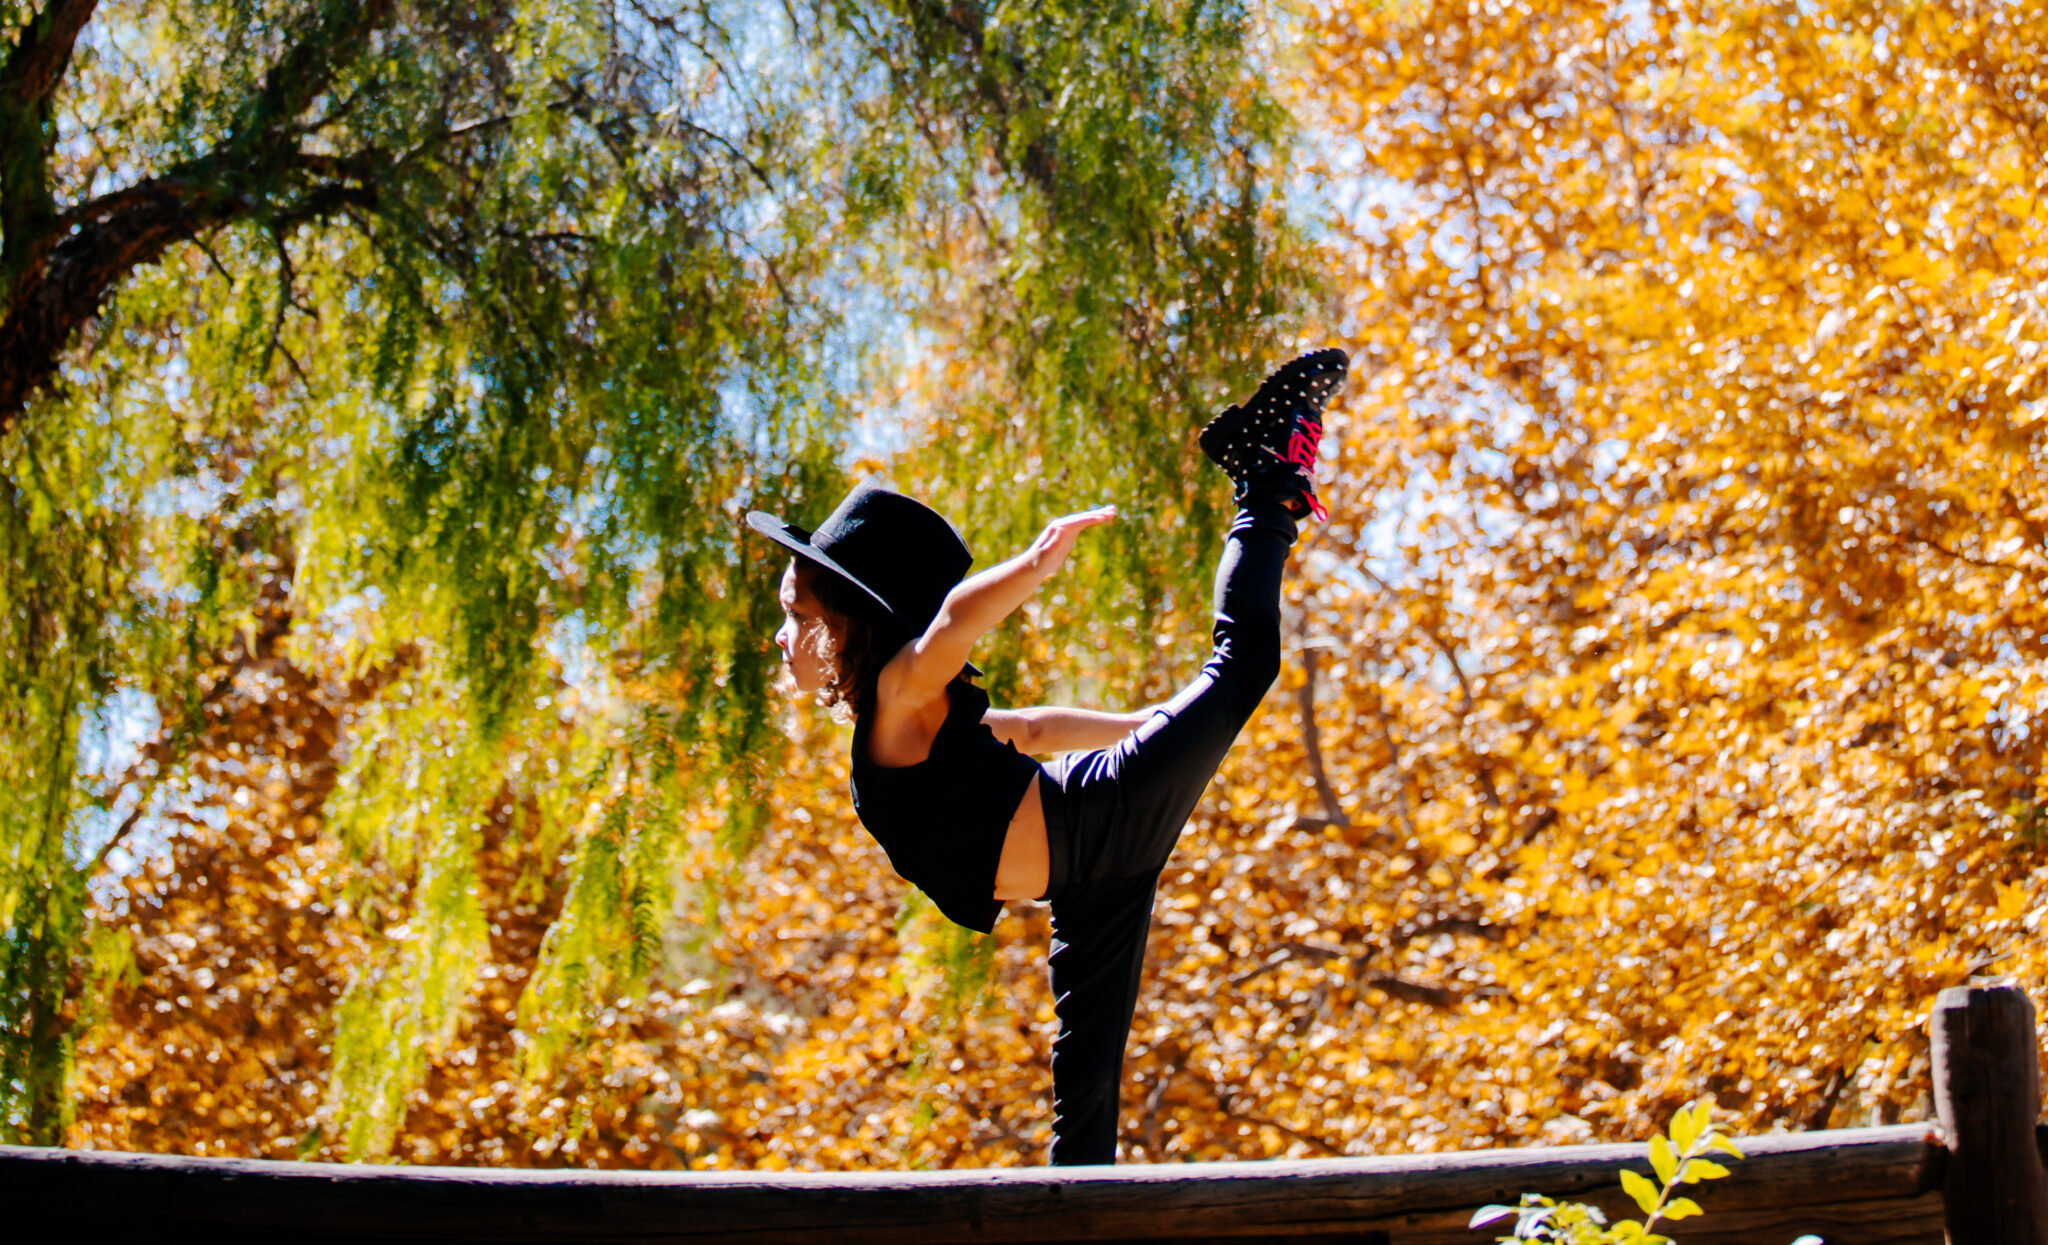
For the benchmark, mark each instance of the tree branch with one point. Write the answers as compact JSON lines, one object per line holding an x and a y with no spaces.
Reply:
{"x":1411,"y":991}
{"x":1450,"y":655}
{"x":967,"y":24}
{"x":1399,"y":987}
{"x":1333,"y":813}
{"x":1468,"y":926}
{"x":125,"y":230}
{"x":42,"y":52}
{"x":77,"y":273}
{"x":58,"y":269}
{"x":287,"y":299}
{"x":1431,"y":634}
{"x":304,"y":71}
{"x":1402,"y":780}
{"x":1226,"y":1102}
{"x":1988,"y":564}
{"x":1317,"y":952}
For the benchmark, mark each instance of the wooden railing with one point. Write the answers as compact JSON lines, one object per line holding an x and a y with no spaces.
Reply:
{"x":1976,"y":1178}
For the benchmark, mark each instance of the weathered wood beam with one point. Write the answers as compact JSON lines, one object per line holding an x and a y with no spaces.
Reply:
{"x":1987,"y":1093}
{"x":1852,"y":1187}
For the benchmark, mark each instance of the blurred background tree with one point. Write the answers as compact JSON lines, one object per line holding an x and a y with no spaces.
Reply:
{"x":408,"y":366}
{"x":1663,"y":715}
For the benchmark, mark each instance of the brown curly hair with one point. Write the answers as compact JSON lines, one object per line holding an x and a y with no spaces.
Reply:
{"x":863,"y":640}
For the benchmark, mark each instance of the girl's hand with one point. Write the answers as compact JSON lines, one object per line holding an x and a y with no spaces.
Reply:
{"x":916,"y":678}
{"x":1050,"y":550}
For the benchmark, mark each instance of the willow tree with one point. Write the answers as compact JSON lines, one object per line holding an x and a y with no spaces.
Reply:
{"x":433,"y":350}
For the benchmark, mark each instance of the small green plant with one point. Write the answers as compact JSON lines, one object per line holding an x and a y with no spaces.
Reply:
{"x":1678,"y":1159}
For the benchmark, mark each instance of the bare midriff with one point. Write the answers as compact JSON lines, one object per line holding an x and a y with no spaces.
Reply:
{"x":1025,"y":869}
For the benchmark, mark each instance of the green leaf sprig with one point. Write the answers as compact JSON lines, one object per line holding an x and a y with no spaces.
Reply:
{"x":1678,"y":1158}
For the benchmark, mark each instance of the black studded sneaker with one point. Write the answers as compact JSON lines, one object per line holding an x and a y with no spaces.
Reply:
{"x":1268,"y":446}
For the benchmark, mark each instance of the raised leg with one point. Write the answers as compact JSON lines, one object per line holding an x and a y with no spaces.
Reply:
{"x":1125,"y":805}
{"x":1119,"y":812}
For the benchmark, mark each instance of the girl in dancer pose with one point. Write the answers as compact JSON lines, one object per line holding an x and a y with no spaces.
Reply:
{"x":880,"y":617}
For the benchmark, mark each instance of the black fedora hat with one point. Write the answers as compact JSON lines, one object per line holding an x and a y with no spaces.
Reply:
{"x":900,"y":552}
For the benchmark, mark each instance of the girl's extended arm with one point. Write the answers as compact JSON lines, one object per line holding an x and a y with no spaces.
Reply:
{"x":921,"y":671}
{"x":1048,"y":728}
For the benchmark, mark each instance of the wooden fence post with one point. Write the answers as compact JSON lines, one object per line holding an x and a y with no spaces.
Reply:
{"x":1987,"y":1092}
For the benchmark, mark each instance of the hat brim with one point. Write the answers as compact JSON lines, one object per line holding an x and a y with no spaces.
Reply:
{"x":798,"y":541}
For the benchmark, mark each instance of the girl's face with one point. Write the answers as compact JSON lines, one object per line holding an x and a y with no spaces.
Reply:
{"x":806,"y":636}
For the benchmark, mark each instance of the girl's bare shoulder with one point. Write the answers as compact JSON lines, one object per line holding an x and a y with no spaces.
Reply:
{"x":903,"y":726}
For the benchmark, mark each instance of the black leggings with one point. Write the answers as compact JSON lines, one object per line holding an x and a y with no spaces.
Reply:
{"x":1112,"y":817}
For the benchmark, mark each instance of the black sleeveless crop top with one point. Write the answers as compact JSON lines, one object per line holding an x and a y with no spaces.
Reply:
{"x":942,"y":820}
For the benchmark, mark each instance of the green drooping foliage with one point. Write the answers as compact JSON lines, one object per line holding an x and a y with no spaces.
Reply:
{"x":1103,"y":311}
{"x":431,"y":352}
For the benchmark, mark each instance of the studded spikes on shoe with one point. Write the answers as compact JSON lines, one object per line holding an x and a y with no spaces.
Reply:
{"x":1268,"y":446}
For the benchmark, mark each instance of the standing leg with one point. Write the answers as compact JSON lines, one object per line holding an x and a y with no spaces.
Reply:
{"x":1098,"y":953}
